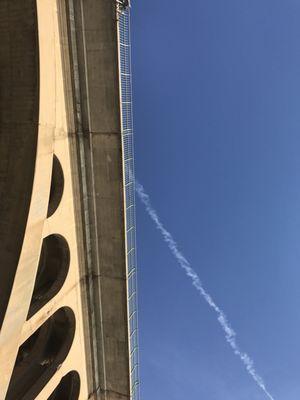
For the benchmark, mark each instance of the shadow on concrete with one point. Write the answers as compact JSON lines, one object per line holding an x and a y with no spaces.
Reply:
{"x":41,"y":355}
{"x":68,"y":388}
{"x":52,"y":271}
{"x":57,"y":186}
{"x":19,"y":115}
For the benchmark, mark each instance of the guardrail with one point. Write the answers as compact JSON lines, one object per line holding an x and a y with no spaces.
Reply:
{"x":129,"y":193}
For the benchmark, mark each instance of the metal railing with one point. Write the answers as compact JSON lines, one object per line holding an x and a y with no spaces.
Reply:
{"x":129,"y":192}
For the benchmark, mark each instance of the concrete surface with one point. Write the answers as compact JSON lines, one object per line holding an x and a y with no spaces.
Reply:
{"x":40,"y":100}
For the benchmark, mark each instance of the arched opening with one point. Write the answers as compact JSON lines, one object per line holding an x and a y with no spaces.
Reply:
{"x":57,"y":186}
{"x":41,"y":355}
{"x":68,"y":388}
{"x":52,"y":271}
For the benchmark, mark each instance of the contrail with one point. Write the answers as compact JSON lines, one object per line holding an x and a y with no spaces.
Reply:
{"x":230,"y":334}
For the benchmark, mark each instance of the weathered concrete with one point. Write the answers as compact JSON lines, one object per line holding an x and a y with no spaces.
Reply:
{"x":29,"y":360}
{"x":97,"y":49}
{"x":60,"y":95}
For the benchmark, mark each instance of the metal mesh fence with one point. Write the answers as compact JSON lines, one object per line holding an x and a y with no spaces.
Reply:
{"x":129,"y":193}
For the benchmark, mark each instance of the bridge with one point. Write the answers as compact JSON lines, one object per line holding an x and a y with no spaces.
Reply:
{"x":68,"y":313}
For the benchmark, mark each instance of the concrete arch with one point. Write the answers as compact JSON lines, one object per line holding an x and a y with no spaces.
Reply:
{"x":19,"y":117}
{"x":41,"y":355}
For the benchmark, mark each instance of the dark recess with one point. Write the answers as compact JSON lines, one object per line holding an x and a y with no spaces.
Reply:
{"x":52,"y":271}
{"x":57,"y":186}
{"x":41,"y":355}
{"x":68,"y":388}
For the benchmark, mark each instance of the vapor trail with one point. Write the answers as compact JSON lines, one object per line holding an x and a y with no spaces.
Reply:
{"x":230,"y":334}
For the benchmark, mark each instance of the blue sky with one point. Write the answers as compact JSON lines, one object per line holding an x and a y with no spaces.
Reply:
{"x":217,"y":141}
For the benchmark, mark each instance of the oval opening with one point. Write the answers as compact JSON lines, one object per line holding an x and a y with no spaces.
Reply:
{"x":57,"y":186}
{"x":41,"y":355}
{"x":68,"y":388}
{"x":52,"y":271}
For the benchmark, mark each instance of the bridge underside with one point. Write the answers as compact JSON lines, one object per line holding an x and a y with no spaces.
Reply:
{"x":63,"y":303}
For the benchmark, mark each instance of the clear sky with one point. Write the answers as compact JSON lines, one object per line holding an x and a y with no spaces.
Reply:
{"x":217,"y":141}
